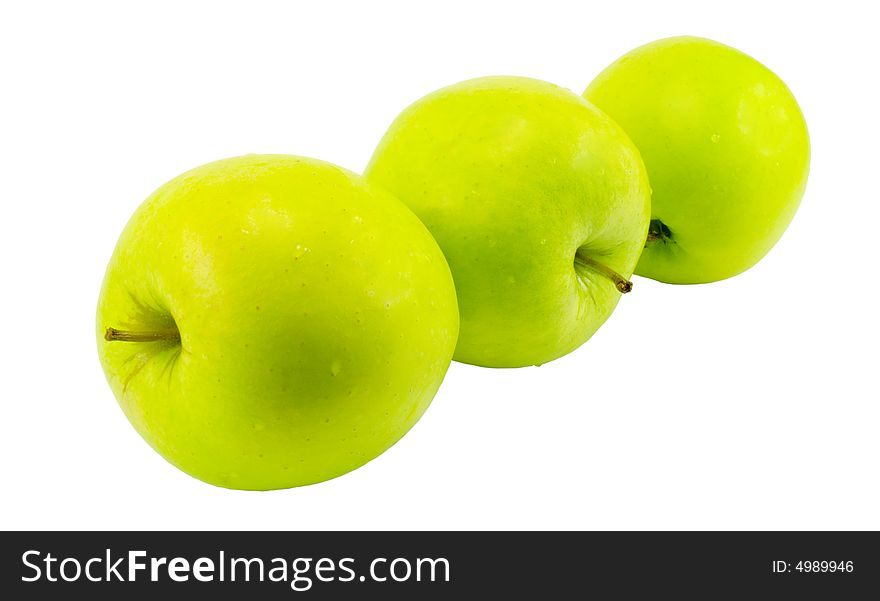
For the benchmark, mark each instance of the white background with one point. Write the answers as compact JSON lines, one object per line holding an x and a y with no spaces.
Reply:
{"x":751,"y":403}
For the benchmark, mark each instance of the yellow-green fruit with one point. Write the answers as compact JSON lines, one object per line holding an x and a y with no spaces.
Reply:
{"x":539,"y":201}
{"x":274,"y":321}
{"x":726,"y":148}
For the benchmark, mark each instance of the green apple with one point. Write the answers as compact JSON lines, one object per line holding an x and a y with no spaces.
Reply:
{"x":539,"y":201}
{"x":274,"y":321}
{"x":726,"y":148}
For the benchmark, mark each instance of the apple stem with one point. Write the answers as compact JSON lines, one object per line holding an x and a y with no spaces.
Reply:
{"x":112,"y":334}
{"x":622,"y":284}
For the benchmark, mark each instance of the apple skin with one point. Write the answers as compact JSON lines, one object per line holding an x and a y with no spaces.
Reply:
{"x":726,"y":148}
{"x":513,"y":176}
{"x":317,"y":318}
